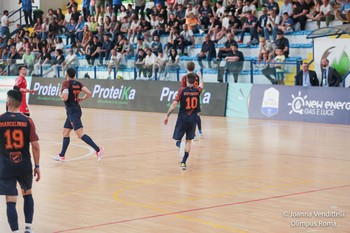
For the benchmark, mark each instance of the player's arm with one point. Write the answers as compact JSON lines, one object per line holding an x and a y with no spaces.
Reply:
{"x":36,"y":156}
{"x":201,"y":83}
{"x":171,"y":109}
{"x":64,"y":94}
{"x":87,"y":93}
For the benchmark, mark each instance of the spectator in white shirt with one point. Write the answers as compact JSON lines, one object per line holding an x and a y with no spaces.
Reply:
{"x":326,"y":13}
{"x":114,"y":62}
{"x":150,"y":59}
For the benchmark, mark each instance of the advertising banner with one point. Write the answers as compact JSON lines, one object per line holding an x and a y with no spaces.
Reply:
{"x":238,"y":99}
{"x":307,"y":104}
{"x":149,"y":96}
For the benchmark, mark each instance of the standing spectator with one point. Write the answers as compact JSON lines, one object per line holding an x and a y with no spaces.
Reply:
{"x":116,"y":4}
{"x":234,"y":62}
{"x":99,"y":7}
{"x":279,"y":59}
{"x":92,"y":7}
{"x":306,"y":77}
{"x":330,"y":76}
{"x":27,"y":10}
{"x":208,"y":51}
{"x":140,"y":7}
{"x":86,"y":10}
{"x":5,"y":23}
{"x":301,"y":9}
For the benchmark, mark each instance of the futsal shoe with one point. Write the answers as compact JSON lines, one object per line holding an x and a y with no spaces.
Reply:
{"x":200,"y":133}
{"x":28,"y":230}
{"x":58,"y":158}
{"x":183,"y":166}
{"x":182,"y":149}
{"x":100,"y":153}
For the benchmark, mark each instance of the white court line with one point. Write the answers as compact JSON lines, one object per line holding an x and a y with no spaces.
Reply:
{"x":91,"y":150}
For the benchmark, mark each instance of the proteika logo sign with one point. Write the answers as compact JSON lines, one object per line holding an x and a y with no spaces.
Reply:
{"x":303,"y":106}
{"x":122,"y":93}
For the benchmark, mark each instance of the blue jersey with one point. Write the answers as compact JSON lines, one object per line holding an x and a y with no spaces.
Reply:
{"x":16,"y":133}
{"x":74,"y":88}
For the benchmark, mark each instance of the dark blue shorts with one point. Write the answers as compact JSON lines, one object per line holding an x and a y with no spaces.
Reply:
{"x":8,"y":185}
{"x":184,"y":126}
{"x":73,"y":121}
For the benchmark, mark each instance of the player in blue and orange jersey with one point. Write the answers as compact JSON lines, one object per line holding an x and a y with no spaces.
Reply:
{"x":188,"y":97}
{"x":70,"y":91}
{"x":17,"y":134}
{"x":190,"y":69}
{"x":21,"y":83}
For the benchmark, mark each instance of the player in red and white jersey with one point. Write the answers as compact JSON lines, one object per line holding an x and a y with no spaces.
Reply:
{"x":21,"y":83}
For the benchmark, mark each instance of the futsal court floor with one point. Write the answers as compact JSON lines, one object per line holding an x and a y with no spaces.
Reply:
{"x":243,"y":175}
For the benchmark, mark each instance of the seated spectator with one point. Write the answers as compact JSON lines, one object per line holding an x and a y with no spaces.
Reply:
{"x":301,"y":9}
{"x":208,"y":51}
{"x":19,"y":46}
{"x":286,"y":24}
{"x":70,"y":61}
{"x":272,"y":5}
{"x":43,"y":61}
{"x":38,"y":28}
{"x":149,"y":60}
{"x":172,"y":63}
{"x":68,"y":16}
{"x":107,"y":24}
{"x":192,"y":23}
{"x":50,"y":15}
{"x":214,"y":27}
{"x":180,"y":14}
{"x":113,"y":62}
{"x":109,"y":12}
{"x":205,"y":13}
{"x":92,"y":50}
{"x":28,"y":59}
{"x":11,"y":60}
{"x":106,"y":47}
{"x":93,"y":25}
{"x":54,"y":28}
{"x":250,"y":26}
{"x":70,"y":32}
{"x":127,"y":50}
{"x":344,"y":12}
{"x":71,"y":4}
{"x":133,"y":28}
{"x":272,"y":25}
{"x":265,"y":49}
{"x":247,"y":9}
{"x":188,"y":38}
{"x":139,"y":62}
{"x":225,"y":51}
{"x":326,"y":13}
{"x":261,"y":24}
{"x":160,"y":64}
{"x":79,"y":28}
{"x":314,"y":9}
{"x":123,"y":13}
{"x":282,"y":43}
{"x":287,"y":7}
{"x":140,"y":45}
{"x":144,"y":27}
{"x":155,"y":45}
{"x":56,"y":63}
{"x":172,"y":23}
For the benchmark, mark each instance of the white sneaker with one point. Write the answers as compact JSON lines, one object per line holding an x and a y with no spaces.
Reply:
{"x":100,"y":154}
{"x":200,"y":133}
{"x":182,"y":149}
{"x":58,"y":158}
{"x":28,"y":230}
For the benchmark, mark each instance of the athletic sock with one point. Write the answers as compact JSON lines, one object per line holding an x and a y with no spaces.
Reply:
{"x":28,"y":208}
{"x":199,"y":122}
{"x":65,"y":144}
{"x":12,"y":217}
{"x":90,"y":142}
{"x":178,"y":143}
{"x":184,"y":159}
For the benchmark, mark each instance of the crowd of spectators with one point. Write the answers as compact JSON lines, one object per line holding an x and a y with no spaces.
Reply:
{"x":108,"y":33}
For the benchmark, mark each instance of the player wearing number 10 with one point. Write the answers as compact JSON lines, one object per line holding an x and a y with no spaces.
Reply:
{"x":71,"y":89}
{"x":186,"y":120}
{"x":17,"y":131}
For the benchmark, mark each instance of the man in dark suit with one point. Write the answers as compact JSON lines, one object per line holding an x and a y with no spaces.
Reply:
{"x":330,"y":77}
{"x":306,"y":77}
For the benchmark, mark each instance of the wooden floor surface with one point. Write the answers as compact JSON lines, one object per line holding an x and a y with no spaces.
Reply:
{"x":243,"y":176}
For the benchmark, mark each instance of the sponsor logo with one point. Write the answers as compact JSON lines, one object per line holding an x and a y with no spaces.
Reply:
{"x":47,"y":90}
{"x":301,"y":105}
{"x":269,"y":106}
{"x":122,"y":93}
{"x":169,"y":95}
